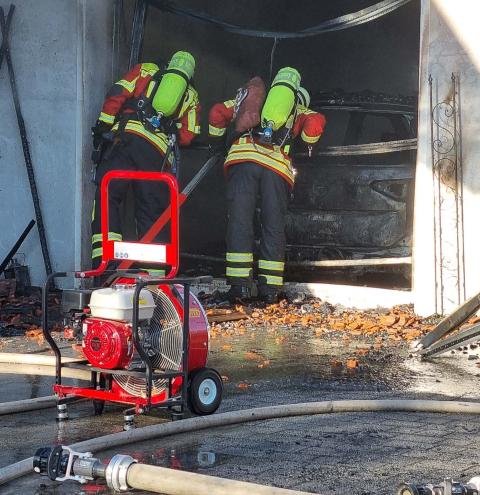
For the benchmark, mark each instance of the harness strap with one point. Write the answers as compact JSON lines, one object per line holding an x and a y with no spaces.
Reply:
{"x":146,"y":101}
{"x":179,"y":73}
{"x":286,"y":84}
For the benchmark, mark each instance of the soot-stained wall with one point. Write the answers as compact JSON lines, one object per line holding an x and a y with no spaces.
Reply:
{"x":380,"y":56}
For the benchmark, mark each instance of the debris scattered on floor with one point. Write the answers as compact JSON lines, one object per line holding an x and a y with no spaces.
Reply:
{"x":223,"y":315}
{"x":7,"y":288}
{"x":398,"y":323}
{"x":36,"y":334}
{"x":243,"y":385}
{"x":22,"y":315}
{"x":352,"y":363}
{"x":362,"y":333}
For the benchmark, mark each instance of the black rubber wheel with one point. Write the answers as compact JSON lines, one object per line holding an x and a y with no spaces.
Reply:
{"x":98,"y":406}
{"x":204,"y":391}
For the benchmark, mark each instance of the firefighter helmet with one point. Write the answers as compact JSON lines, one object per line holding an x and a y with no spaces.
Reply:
{"x":303,"y":97}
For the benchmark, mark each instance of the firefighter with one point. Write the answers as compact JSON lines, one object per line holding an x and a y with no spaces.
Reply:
{"x":145,"y":115}
{"x":259,"y":169}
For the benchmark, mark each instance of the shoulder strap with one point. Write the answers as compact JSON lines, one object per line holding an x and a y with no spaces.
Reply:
{"x":146,"y":99}
{"x":284,"y":134}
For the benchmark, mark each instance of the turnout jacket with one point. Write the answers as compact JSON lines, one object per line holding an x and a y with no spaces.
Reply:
{"x":121,"y":103}
{"x":308,"y":126}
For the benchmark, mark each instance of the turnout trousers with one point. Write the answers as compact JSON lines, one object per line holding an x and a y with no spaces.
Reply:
{"x":247,"y":184}
{"x":151,"y":198}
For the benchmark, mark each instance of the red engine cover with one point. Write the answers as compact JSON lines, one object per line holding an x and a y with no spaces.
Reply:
{"x":107,"y":343}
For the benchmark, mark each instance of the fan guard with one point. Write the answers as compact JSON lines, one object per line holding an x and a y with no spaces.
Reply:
{"x":165,"y":337}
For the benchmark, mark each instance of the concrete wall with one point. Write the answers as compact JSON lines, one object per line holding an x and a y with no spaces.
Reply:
{"x":62,"y":58}
{"x":446,"y":261}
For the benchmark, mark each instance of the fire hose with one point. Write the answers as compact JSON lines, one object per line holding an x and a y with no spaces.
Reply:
{"x":123,"y":473}
{"x":33,"y":364}
{"x":5,"y":52}
{"x":151,"y":432}
{"x":36,"y":364}
{"x":126,"y":473}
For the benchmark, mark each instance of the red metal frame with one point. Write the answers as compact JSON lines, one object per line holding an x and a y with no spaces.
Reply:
{"x":117,"y":394}
{"x":172,"y":248}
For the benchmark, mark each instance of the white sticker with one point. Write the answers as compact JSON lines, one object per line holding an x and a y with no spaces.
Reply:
{"x":136,"y":251}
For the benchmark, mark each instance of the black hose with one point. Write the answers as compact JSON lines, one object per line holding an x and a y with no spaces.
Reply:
{"x":138,"y":29}
{"x":343,"y":22}
{"x":23,"y":135}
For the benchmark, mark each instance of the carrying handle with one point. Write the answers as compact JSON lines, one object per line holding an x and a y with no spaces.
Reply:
{"x":112,"y":250}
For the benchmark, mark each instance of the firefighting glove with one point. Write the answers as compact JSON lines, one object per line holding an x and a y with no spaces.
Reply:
{"x":217,"y":146}
{"x":98,"y":132}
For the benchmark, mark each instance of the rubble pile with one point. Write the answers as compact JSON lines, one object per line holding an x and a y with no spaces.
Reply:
{"x":20,"y":312}
{"x":397,"y":324}
{"x":22,"y":315}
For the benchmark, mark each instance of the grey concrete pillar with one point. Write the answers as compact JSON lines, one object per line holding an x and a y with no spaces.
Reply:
{"x":62,"y":55}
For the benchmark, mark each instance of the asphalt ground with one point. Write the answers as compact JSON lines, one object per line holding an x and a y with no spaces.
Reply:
{"x":355,"y":453}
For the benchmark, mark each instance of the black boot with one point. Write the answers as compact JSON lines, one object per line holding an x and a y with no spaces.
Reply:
{"x":269,"y":297}
{"x":238,"y":293}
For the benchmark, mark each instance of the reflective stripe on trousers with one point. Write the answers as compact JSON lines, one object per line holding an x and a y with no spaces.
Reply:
{"x":239,"y":267}
{"x":270,"y":272}
{"x":97,"y":250}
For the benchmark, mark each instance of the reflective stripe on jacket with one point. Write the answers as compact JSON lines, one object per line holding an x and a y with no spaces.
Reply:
{"x":308,"y":125}
{"x":122,"y":100}
{"x":245,"y":149}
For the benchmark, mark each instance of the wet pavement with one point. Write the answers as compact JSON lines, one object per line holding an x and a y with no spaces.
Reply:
{"x":359,"y":453}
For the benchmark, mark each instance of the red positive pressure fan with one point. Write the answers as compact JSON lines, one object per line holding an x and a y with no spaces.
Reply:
{"x":107,"y":342}
{"x":145,"y":339}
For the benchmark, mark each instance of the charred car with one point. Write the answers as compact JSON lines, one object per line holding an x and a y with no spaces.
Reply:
{"x":352,"y":205}
{"x":354,"y":198}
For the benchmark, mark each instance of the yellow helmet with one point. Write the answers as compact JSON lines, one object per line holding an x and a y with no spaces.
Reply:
{"x":303,"y":97}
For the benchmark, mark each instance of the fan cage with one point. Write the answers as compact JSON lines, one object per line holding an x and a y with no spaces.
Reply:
{"x":165,"y":337}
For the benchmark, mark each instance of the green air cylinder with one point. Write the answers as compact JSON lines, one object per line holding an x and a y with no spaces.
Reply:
{"x":281,"y":98}
{"x":174,"y":82}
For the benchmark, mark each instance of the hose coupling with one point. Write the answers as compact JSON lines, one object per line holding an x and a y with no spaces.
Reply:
{"x":116,"y":472}
{"x":61,"y":463}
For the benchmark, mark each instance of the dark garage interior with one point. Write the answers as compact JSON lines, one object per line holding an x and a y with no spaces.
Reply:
{"x":353,"y":210}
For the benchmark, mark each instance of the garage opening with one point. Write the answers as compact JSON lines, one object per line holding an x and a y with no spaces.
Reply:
{"x":351,"y":214}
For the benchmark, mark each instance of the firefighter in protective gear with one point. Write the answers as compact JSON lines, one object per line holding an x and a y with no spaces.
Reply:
{"x":143,"y":115}
{"x":259,"y":170}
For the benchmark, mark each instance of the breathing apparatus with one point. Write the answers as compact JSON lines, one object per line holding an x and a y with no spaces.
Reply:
{"x":279,"y":108}
{"x":166,"y":91}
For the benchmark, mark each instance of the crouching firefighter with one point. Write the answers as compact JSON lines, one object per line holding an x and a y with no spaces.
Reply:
{"x":145,"y":116}
{"x":259,"y":169}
